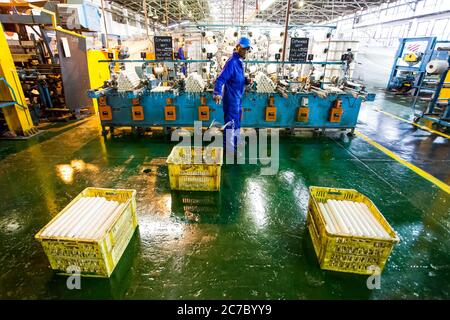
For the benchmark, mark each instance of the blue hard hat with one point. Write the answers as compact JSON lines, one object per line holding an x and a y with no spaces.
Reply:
{"x":244,"y":42}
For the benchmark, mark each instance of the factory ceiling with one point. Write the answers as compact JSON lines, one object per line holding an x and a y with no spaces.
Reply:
{"x":170,"y":12}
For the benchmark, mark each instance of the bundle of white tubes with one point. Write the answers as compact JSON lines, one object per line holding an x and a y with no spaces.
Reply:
{"x":128,"y":80}
{"x":264,"y":84}
{"x":88,"y":218}
{"x":351,"y":218}
{"x":195,"y":83}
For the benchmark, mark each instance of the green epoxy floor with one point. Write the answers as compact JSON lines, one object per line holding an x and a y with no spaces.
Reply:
{"x":251,"y":240}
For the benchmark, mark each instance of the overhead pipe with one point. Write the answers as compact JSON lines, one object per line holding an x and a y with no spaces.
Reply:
{"x":288,"y":13}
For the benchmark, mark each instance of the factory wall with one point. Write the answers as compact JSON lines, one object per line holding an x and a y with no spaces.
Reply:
{"x":122,"y":22}
{"x":379,"y":29}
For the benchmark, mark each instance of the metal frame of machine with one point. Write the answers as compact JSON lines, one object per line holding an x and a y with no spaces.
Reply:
{"x":438,"y":108}
{"x":406,"y":78}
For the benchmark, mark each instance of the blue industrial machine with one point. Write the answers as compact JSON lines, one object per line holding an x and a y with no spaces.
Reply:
{"x":293,"y":104}
{"x":435,"y":88}
{"x":411,"y":59}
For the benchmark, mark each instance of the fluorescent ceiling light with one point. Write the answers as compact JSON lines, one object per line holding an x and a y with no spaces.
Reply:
{"x":266,"y":4}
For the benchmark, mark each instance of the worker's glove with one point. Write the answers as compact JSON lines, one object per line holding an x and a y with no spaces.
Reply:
{"x":217,"y":99}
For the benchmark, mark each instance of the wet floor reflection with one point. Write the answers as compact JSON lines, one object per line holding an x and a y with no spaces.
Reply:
{"x":198,"y":207}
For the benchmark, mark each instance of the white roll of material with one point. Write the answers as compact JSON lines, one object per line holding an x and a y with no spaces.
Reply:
{"x":437,"y":66}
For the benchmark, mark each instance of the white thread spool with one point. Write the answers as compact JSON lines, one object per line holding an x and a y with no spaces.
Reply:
{"x":437,"y":66}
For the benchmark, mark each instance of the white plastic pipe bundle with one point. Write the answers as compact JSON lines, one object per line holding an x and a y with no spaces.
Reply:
{"x":264,"y":84}
{"x":160,"y":88}
{"x":437,"y":66}
{"x":88,"y":218}
{"x":195,"y":83}
{"x":351,"y":218}
{"x":128,"y":80}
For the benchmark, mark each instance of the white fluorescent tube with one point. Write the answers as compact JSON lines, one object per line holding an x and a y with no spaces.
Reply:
{"x":84,"y":221}
{"x":351,"y":218}
{"x":72,"y":224}
{"x":58,"y":222}
{"x":333,"y":218}
{"x":342,"y":224}
{"x":378,"y":225}
{"x":373,"y":232}
{"x":100,"y":232}
{"x":344,"y":217}
{"x":96,"y":222}
{"x":328,"y":223}
{"x":356,"y":216}
{"x":61,"y":229}
{"x":93,"y":217}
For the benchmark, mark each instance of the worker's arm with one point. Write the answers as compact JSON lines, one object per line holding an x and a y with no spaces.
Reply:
{"x":224,"y":76}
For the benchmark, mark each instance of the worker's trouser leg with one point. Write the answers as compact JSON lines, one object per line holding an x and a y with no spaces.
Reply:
{"x":232,"y":131}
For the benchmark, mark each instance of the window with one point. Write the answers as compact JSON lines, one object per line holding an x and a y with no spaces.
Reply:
{"x":430,"y":3}
{"x":117,"y":17}
{"x":439,"y":27}
{"x":422,"y":29}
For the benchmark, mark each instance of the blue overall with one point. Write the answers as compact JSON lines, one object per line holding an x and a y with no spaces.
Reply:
{"x":182,"y":57}
{"x":233,"y":80}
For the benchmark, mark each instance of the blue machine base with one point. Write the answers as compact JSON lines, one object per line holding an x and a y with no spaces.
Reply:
{"x":253,"y":105}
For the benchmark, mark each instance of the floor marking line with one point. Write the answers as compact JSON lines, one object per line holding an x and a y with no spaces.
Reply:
{"x":407,"y":164}
{"x":413,"y":123}
{"x":368,"y":168}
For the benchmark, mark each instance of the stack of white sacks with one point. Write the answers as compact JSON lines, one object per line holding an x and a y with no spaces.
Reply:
{"x":195,"y":83}
{"x":88,"y":218}
{"x":351,"y":218}
{"x":128,"y":80}
{"x":264,"y":84}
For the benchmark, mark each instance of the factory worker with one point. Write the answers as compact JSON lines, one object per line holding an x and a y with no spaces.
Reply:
{"x":181,"y":56}
{"x":233,"y":81}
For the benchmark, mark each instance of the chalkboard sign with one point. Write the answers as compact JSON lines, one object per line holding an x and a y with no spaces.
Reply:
{"x":163,"y":48}
{"x":299,"y":49}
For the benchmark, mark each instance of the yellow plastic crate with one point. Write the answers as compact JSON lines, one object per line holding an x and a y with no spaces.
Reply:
{"x":195,"y":169}
{"x":346,"y":253}
{"x":94,"y":257}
